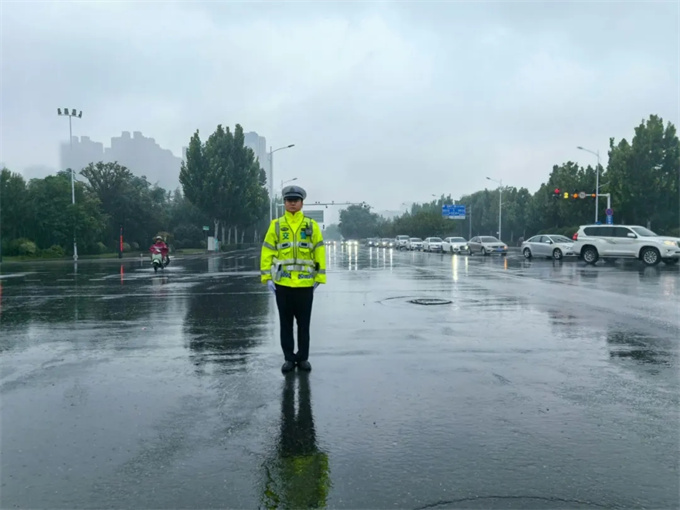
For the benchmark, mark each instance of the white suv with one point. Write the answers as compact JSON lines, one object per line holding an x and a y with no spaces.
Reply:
{"x":593,"y":242}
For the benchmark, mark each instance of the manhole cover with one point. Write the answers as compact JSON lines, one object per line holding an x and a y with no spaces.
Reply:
{"x":430,"y":301}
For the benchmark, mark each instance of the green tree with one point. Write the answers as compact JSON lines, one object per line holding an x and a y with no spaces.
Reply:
{"x":224,"y":180}
{"x":53,"y":217}
{"x":111,"y":183}
{"x":13,"y":200}
{"x":644,"y":176}
{"x":358,"y":222}
{"x":129,"y":201}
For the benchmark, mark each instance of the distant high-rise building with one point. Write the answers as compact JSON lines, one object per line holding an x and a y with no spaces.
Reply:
{"x":259,"y":146}
{"x":142,"y":155}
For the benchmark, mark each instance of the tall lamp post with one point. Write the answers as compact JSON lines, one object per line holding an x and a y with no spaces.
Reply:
{"x":70,"y":114}
{"x":500,"y":204}
{"x":271,"y":178}
{"x":1,"y":169}
{"x":597,"y":180}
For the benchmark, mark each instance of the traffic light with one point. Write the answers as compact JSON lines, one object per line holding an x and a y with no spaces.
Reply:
{"x":576,"y":194}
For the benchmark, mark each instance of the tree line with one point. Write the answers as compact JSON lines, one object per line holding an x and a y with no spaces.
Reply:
{"x":224,"y":187}
{"x":642,"y":177}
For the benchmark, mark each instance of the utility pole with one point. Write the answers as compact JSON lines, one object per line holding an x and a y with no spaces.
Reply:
{"x":597,"y":181}
{"x":1,"y":171}
{"x":271,"y":178}
{"x":500,"y":205}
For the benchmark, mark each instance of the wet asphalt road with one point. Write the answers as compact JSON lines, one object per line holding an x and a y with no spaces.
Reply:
{"x":541,"y":385}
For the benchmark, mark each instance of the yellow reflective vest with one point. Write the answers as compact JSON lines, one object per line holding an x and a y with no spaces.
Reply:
{"x":293,"y":252}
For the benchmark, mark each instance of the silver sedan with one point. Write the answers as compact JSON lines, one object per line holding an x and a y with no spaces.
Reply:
{"x":486,"y":245}
{"x":549,"y":245}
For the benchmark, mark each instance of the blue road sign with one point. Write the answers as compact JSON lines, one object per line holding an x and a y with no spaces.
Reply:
{"x":453,"y":212}
{"x":610,"y":216}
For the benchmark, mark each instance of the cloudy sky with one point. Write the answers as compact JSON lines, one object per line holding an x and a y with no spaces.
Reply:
{"x":387,"y":102}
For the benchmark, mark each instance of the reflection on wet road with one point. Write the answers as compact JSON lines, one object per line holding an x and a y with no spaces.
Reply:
{"x":535,"y":385}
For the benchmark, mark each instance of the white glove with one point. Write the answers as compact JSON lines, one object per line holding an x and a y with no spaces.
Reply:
{"x":271,"y":286}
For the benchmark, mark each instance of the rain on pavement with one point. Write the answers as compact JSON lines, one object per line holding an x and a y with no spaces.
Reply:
{"x":534,"y":385}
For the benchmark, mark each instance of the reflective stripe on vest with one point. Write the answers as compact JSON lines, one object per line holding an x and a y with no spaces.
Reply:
{"x":301,"y":244}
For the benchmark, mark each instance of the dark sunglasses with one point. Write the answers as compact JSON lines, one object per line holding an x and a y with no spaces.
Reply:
{"x":292,"y":199}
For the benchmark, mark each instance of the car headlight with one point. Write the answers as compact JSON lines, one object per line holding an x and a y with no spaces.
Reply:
{"x":464,"y":247}
{"x":505,"y":247}
{"x":671,"y":243}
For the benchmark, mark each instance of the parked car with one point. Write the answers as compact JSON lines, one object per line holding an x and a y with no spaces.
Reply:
{"x":454,"y":245}
{"x":401,"y":242}
{"x":432,"y":244}
{"x":548,"y":245}
{"x":386,"y":243}
{"x":593,"y":242}
{"x":415,"y":243}
{"x":486,"y":245}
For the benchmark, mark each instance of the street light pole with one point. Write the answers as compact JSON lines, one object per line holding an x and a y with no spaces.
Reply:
{"x":500,"y":205}
{"x":286,"y":182}
{"x":271,"y":178}
{"x":79,"y":115}
{"x":597,"y":181}
{"x":1,"y":171}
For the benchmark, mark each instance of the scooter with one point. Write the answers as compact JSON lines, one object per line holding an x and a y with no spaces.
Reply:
{"x":158,"y":262}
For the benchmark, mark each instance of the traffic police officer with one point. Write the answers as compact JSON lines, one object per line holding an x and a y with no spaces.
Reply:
{"x":293,"y":264}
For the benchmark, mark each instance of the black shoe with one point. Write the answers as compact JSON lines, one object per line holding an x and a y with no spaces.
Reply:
{"x":304,"y":365}
{"x":288,"y":366}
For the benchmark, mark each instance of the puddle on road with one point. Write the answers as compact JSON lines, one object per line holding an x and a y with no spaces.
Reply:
{"x":430,"y":301}
{"x":639,"y":347}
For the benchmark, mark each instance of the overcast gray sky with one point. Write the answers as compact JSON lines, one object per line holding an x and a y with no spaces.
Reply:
{"x":386,"y":102}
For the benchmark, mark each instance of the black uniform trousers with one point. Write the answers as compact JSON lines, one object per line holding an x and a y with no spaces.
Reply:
{"x":294,"y":303}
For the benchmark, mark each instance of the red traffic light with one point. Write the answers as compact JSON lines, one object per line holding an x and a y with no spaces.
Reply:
{"x":557,"y":191}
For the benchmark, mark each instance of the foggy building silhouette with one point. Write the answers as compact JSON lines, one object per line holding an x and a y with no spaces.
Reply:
{"x":259,"y":146}
{"x":142,"y":155}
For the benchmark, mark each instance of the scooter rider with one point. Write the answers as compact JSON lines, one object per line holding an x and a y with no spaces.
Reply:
{"x":293,"y":264}
{"x":160,"y":247}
